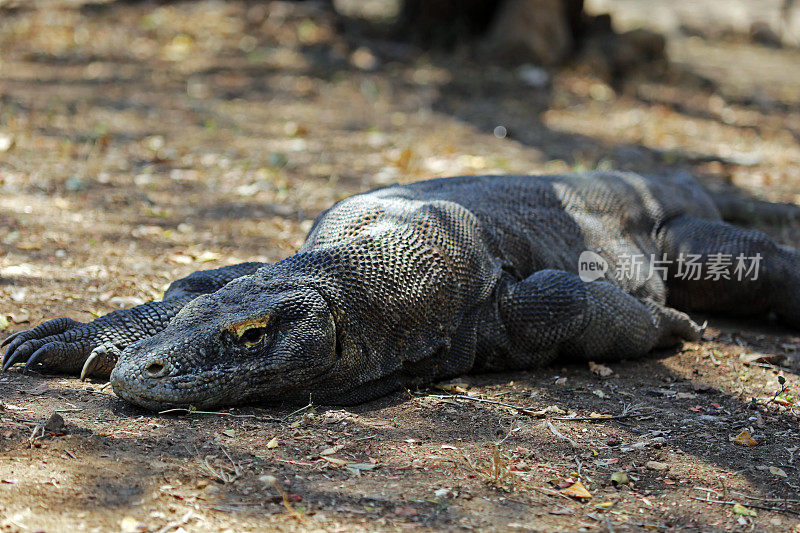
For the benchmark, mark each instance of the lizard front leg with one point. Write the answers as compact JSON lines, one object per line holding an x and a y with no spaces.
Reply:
{"x":92,"y":348}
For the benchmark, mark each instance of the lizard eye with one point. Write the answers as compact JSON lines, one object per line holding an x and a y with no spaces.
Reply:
{"x":253,"y":336}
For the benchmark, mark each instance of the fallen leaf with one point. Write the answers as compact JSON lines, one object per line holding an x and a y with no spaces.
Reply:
{"x":541,"y":413}
{"x":21,"y":316}
{"x":562,"y":483}
{"x":755,"y":357}
{"x":740,"y":509}
{"x":600,"y":370}
{"x":620,"y":478}
{"x":3,"y":322}
{"x":332,"y":450}
{"x":207,"y":256}
{"x":777,"y":471}
{"x":129,"y":525}
{"x":41,"y":388}
{"x":454,"y":388}
{"x":180,"y":259}
{"x":744,"y":439}
{"x":577,"y":490}
{"x":335,"y":460}
{"x":362,"y":466}
{"x":6,"y":142}
{"x":273,"y":443}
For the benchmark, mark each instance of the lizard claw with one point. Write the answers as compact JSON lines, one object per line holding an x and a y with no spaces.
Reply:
{"x":10,"y":358}
{"x":20,"y":350}
{"x":101,"y":361}
{"x":41,"y":352}
{"x":10,"y":338}
{"x":89,"y":365}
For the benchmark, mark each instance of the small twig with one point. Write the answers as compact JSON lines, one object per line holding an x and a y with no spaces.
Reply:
{"x":553,"y":492}
{"x":558,"y":434}
{"x":232,"y":508}
{"x":524,"y":410}
{"x":368,"y":437}
{"x":297,"y":411}
{"x":706,"y":490}
{"x":753,"y":505}
{"x":38,"y":433}
{"x":222,"y":475}
{"x":601,"y":418}
{"x":513,"y":429}
{"x":777,"y":500}
{"x":782,"y":383}
{"x":175,"y":524}
{"x":285,"y":497}
{"x":291,"y":462}
{"x":119,"y":418}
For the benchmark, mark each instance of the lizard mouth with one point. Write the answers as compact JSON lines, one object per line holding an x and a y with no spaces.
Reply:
{"x":208,"y":388}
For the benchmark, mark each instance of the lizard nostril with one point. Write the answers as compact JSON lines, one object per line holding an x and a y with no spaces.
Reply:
{"x":155,"y":369}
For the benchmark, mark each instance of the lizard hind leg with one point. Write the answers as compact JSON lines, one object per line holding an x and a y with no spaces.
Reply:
{"x":736,"y":271}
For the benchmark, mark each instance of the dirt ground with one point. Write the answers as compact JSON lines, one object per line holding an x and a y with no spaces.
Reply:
{"x":140,"y":143}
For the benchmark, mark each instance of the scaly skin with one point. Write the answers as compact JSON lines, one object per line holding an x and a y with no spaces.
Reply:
{"x":405,"y":285}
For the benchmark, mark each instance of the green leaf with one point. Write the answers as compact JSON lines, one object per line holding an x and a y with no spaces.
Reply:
{"x":740,"y":509}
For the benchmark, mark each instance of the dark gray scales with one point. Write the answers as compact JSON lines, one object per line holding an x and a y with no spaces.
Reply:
{"x":405,"y":285}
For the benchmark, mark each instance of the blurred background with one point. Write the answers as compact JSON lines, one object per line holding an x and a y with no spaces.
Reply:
{"x":140,"y":138}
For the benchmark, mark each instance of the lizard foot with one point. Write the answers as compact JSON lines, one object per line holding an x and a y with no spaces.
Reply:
{"x":60,"y":345}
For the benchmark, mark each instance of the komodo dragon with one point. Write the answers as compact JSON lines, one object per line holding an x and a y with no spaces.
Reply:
{"x":408,"y":284}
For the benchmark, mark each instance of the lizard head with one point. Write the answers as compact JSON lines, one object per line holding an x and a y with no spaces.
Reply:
{"x":251,"y":340}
